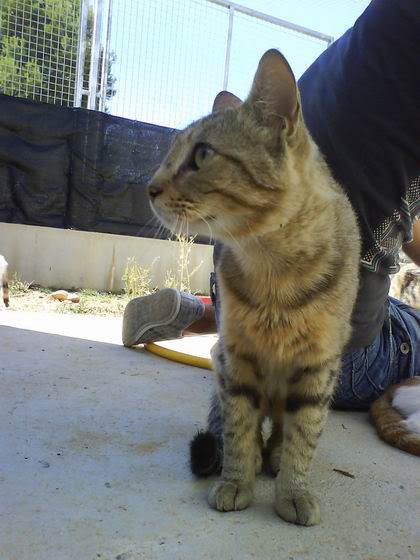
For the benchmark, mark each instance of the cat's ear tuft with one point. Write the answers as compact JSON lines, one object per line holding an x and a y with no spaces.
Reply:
{"x":225,"y":100}
{"x":274,"y":90}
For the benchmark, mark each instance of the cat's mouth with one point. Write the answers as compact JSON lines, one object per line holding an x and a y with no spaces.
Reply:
{"x":177,"y":214}
{"x":184,"y":220}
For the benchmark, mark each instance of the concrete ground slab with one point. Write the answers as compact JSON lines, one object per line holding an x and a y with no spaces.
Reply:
{"x":94,"y":462}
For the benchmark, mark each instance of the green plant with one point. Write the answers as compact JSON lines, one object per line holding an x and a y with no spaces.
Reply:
{"x":18,"y":286}
{"x":170,"y":280}
{"x":137,"y":280}
{"x":181,"y":279}
{"x":38,"y":54}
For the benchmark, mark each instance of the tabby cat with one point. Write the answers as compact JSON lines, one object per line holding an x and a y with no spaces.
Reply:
{"x":396,"y":415}
{"x":4,"y":280}
{"x":288,"y":278}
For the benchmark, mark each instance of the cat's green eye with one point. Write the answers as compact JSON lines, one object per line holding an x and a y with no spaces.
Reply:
{"x":202,"y":152}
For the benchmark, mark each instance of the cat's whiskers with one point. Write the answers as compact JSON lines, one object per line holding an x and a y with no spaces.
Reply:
{"x":183,"y":230}
{"x":173,"y":227}
{"x":162,"y":230}
{"x":241,"y":249}
{"x":159,"y":231}
{"x":152,"y":222}
{"x":203,"y":218}
{"x":156,"y":233}
{"x":221,"y":226}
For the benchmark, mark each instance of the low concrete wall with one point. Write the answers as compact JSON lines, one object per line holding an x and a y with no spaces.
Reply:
{"x":63,"y":258}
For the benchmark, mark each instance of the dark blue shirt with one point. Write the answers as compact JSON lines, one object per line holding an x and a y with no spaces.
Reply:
{"x":361,"y":103}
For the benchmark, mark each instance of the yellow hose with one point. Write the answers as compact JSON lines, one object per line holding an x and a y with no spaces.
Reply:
{"x":180,"y":357}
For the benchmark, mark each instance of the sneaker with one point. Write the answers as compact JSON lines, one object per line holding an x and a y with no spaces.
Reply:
{"x":163,"y":315}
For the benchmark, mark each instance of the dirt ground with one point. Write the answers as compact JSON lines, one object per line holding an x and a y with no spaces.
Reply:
{"x":27,"y":297}
{"x":32,"y":298}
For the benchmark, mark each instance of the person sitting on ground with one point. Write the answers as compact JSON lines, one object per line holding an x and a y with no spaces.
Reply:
{"x":360,"y":103}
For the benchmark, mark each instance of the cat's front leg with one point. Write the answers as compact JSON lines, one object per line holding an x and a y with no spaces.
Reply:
{"x":240,"y":398}
{"x":307,"y":404}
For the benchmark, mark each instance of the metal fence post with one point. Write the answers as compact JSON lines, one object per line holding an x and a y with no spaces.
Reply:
{"x":81,"y":52}
{"x":228,"y":47}
{"x":275,"y":20}
{"x":95,"y":54}
{"x":105,"y":57}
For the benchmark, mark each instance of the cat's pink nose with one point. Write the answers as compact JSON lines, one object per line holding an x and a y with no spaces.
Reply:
{"x":154,"y":190}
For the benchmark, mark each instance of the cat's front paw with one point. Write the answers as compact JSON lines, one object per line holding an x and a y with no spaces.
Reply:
{"x":229,"y":496}
{"x":301,"y":508}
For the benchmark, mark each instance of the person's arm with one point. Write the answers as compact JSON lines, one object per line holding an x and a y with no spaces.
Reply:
{"x":412,"y":249}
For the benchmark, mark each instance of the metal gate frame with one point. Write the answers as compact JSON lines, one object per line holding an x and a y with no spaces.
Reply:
{"x":102,"y":9}
{"x":233,"y":7}
{"x":97,"y":85}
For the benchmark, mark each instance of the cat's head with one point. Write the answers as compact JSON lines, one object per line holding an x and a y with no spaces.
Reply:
{"x":231,"y":172}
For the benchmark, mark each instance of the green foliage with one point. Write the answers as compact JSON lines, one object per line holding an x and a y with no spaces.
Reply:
{"x":137,"y":280}
{"x":38,"y":50}
{"x":18,"y":287}
{"x":181,"y":278}
{"x":95,"y":303}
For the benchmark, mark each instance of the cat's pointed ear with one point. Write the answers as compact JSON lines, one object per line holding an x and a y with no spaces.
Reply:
{"x":274,"y":90}
{"x":224,"y":100}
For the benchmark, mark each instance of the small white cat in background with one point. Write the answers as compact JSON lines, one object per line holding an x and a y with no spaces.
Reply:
{"x":4,"y":280}
{"x":396,"y":414}
{"x":407,"y":401}
{"x":405,"y":285}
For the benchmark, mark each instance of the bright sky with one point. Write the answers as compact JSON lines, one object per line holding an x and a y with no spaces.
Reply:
{"x":170,"y":54}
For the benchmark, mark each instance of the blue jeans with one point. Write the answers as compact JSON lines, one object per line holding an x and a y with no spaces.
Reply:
{"x":394,"y":355}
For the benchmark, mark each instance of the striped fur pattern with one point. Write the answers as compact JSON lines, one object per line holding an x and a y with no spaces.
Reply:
{"x":251,"y":175}
{"x":396,"y":415}
{"x":405,"y":285}
{"x":4,"y":280}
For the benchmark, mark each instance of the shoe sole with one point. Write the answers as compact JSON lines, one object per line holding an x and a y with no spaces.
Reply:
{"x":140,"y":337}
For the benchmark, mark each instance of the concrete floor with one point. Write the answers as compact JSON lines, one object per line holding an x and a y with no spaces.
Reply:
{"x":94,"y":462}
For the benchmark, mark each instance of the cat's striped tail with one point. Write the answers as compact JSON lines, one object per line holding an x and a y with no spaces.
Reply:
{"x":206,"y":448}
{"x":4,"y":280}
{"x":396,"y":415}
{"x":5,"y":286}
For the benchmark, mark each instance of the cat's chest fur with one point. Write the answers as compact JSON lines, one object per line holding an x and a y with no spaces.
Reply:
{"x":276,"y":334}
{"x":285,"y":311}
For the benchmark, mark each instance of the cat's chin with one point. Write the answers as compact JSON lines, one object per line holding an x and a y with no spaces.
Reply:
{"x":167,"y":219}
{"x":181,"y":225}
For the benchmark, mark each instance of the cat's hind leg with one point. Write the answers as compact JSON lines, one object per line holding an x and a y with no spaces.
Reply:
{"x":307,"y":403}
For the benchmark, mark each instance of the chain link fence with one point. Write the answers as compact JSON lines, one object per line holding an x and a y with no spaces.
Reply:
{"x":39,"y":49}
{"x":158,"y":61}
{"x":171,"y":57}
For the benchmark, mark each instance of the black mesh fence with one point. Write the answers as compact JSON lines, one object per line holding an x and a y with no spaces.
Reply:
{"x":73,"y":168}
